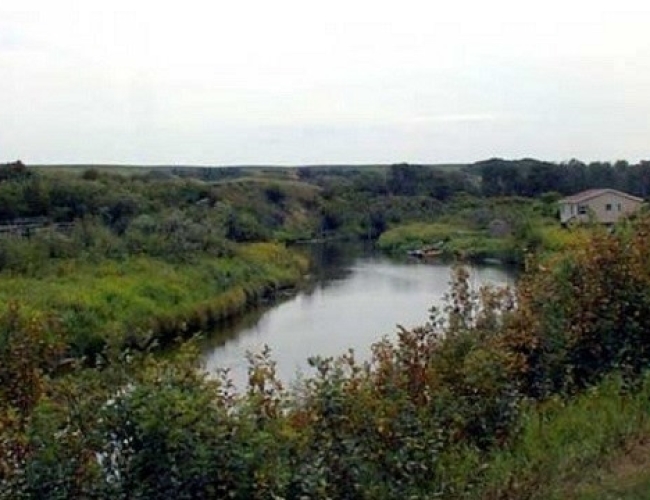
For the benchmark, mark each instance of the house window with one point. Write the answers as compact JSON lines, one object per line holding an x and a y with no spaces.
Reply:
{"x":618,"y":207}
{"x":608,"y":207}
{"x":582,"y":209}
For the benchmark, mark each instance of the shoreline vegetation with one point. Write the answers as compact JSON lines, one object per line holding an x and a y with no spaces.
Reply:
{"x":138,"y":300}
{"x":503,"y":394}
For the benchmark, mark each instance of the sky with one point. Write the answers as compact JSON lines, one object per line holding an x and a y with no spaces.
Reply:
{"x":295,"y":82}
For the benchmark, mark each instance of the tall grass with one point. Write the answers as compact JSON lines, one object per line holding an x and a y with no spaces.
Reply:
{"x":564,"y":442}
{"x":452,"y":240}
{"x":142,"y":296}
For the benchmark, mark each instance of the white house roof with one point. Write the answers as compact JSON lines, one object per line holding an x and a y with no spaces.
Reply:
{"x":593,"y":193}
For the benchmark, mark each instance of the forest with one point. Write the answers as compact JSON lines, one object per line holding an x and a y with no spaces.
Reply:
{"x":508,"y":393}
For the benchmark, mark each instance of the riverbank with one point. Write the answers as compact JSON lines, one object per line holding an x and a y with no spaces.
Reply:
{"x":138,"y":300}
{"x":457,"y":241}
{"x":447,"y":241}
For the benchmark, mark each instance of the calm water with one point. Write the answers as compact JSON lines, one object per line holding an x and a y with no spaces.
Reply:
{"x":356,"y":299}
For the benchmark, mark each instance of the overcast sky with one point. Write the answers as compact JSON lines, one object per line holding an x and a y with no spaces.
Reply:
{"x":296,"y":82}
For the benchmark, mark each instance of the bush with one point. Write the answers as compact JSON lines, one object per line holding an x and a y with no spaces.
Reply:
{"x":487,"y":400}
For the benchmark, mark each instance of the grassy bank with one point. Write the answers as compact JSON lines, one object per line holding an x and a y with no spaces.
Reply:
{"x":451,"y":240}
{"x":476,"y":229}
{"x":143,"y":296}
{"x":458,"y":240}
{"x":565,"y":444}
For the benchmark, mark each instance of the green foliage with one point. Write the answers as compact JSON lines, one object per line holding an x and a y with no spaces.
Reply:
{"x":13,"y":171}
{"x":507,"y":229}
{"x":565,"y":442}
{"x":452,"y":241}
{"x":503,"y":394}
{"x":582,"y":313}
{"x":171,"y":438}
{"x":529,"y":177}
{"x":416,"y":235}
{"x":500,"y":395}
{"x":142,"y":296}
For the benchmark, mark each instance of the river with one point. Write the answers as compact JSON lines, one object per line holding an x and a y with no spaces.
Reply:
{"x":355,"y":298}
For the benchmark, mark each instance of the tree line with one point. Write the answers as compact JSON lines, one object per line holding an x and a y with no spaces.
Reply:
{"x":532,"y":178}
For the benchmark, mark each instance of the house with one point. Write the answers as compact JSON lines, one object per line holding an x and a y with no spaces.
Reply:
{"x":606,"y":206}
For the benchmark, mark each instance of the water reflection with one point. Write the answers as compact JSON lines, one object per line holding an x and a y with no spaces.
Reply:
{"x":354,"y":299}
